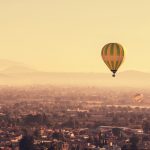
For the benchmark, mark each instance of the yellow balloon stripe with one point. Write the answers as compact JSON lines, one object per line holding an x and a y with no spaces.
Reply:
{"x":108,"y":64}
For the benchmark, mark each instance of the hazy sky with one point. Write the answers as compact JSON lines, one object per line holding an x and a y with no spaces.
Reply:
{"x":67,"y":35}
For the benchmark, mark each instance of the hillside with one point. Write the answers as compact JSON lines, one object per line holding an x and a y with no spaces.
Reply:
{"x":14,"y":73}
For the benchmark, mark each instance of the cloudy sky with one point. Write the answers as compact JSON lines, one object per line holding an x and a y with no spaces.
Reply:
{"x":67,"y":35}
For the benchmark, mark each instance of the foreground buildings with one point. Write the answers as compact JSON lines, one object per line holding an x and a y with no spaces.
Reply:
{"x":73,"y":121}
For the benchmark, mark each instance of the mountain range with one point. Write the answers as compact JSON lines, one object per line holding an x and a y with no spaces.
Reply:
{"x":15,"y":73}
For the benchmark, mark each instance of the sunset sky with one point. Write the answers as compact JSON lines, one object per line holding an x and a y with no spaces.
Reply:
{"x":67,"y":35}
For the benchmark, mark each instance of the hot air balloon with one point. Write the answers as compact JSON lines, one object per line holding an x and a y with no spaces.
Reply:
{"x":113,"y":55}
{"x":138,"y":97}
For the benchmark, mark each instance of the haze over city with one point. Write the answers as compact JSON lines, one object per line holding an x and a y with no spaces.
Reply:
{"x":56,"y":92}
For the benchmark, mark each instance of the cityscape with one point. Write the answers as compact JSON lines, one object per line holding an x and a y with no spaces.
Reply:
{"x":73,"y":118}
{"x":74,"y":75}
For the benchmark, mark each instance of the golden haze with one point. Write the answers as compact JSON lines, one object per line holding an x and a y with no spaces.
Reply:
{"x":67,"y":35}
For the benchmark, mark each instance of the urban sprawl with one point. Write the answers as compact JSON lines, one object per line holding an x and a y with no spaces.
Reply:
{"x":73,"y":118}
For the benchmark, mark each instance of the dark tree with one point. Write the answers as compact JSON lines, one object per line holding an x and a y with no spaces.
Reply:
{"x":124,"y":147}
{"x":26,"y":143}
{"x":116,"y":132}
{"x":134,"y":141}
{"x":146,"y":126}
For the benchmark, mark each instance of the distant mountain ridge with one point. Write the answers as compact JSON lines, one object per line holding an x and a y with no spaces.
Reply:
{"x":7,"y":66}
{"x":14,"y":73}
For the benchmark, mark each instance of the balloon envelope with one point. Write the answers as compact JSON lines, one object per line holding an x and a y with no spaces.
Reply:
{"x":138,"y":97}
{"x":113,"y":55}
